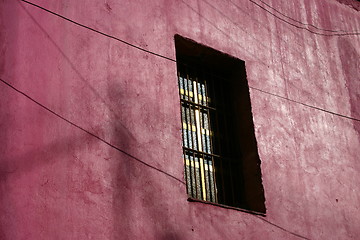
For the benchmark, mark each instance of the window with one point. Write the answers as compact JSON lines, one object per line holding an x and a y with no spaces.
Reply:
{"x":222,"y":165}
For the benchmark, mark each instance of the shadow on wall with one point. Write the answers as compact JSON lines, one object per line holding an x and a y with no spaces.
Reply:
{"x":350,"y":61}
{"x":5,"y":124}
{"x":138,"y":202}
{"x":90,"y":88}
{"x":9,"y":29}
{"x":131,"y":186}
{"x":351,"y":3}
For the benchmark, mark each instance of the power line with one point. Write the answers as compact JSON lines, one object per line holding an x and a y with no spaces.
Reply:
{"x":284,"y":229}
{"x":122,"y":151}
{"x":291,"y":50}
{"x":304,"y":28}
{"x":127,"y":154}
{"x":159,"y":55}
{"x":305,"y":24}
{"x":88,"y":132}
{"x":306,"y":105}
{"x":173,"y":60}
{"x":324,"y":110}
{"x":320,"y":63}
{"x":99,"y":32}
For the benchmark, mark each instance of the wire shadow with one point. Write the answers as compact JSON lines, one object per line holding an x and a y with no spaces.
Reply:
{"x":305,"y":24}
{"x":91,"y":134}
{"x":294,"y":50}
{"x":350,"y":61}
{"x":265,"y":64}
{"x":73,"y":67}
{"x":81,"y":25}
{"x":97,"y":31}
{"x":304,"y":28}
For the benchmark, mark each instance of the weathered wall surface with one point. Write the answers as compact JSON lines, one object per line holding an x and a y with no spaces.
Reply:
{"x":352,"y":3}
{"x":108,"y":164}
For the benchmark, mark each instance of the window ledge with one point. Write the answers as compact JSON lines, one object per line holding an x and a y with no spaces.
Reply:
{"x":190,"y":199}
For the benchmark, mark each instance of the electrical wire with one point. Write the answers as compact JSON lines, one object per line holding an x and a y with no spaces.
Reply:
{"x":306,"y":105}
{"x":318,"y":64}
{"x":284,"y":229}
{"x":305,"y":24}
{"x":88,"y":132}
{"x":304,"y":28}
{"x":129,"y":155}
{"x":99,"y":32}
{"x":173,"y":60}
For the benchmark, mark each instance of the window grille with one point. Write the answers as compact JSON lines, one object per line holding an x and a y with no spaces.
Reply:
{"x":222,"y":165}
{"x":198,"y":136}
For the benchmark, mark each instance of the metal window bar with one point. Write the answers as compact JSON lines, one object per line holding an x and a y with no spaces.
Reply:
{"x":205,"y":144}
{"x":210,"y":148}
{"x":213,"y":147}
{"x":198,"y":157}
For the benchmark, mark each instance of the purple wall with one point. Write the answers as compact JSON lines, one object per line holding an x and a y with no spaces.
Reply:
{"x":107,"y":162}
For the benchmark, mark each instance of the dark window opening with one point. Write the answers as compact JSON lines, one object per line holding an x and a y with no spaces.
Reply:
{"x":221,"y":161}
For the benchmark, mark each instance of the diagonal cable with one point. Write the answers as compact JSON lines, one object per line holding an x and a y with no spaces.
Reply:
{"x":305,"y":24}
{"x":99,"y":32}
{"x":88,"y":132}
{"x":173,"y":60}
{"x":304,"y":28}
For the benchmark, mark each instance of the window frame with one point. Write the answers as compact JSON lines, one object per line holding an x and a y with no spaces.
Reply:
{"x":242,"y":173}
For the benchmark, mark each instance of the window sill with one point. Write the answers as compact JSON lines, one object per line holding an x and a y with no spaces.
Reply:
{"x":227,"y":207}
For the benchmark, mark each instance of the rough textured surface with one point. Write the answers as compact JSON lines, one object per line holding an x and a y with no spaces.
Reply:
{"x":59,"y":182}
{"x":352,"y":3}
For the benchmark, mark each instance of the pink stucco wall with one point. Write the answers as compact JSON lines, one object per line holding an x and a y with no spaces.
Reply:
{"x":107,"y":162}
